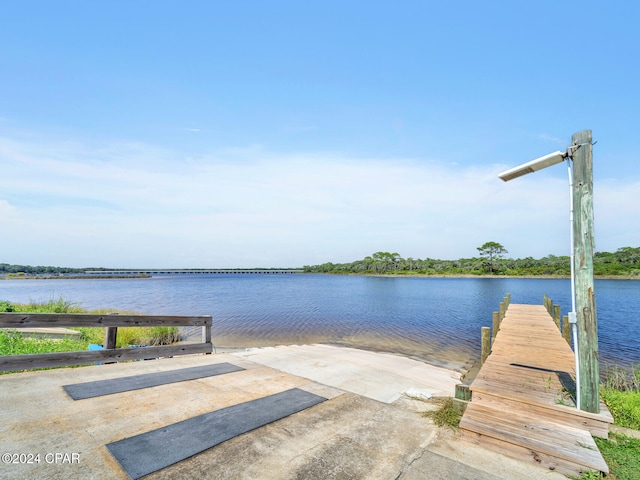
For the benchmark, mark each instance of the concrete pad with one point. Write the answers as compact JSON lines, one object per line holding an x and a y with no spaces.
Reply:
{"x":447,"y":456}
{"x":380,"y":376}
{"x":38,"y":417}
{"x":349,"y":436}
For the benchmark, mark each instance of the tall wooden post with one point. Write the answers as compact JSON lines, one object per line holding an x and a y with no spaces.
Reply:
{"x":110,"y":335}
{"x":583,"y":241}
{"x":556,"y":316}
{"x":486,"y":344}
{"x":495,"y":325}
{"x":566,"y":329}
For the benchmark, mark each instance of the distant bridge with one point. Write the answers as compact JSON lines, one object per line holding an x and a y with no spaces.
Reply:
{"x":265,"y":271}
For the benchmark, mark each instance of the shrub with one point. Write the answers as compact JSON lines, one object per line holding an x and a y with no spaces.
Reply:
{"x":59,"y":305}
{"x":624,"y":406}
{"x":618,"y":378}
{"x":6,"y":306}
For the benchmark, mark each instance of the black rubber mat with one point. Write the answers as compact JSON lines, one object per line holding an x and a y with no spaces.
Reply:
{"x":157,"y":449}
{"x":98,"y":388}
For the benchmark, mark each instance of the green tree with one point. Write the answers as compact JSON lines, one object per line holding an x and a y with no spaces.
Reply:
{"x":385,"y":261}
{"x":492,"y":251}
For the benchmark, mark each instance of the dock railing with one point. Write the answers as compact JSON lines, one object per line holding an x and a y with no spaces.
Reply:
{"x":554,"y":311}
{"x":20,"y":321}
{"x":487,"y":335}
{"x":462,"y":393}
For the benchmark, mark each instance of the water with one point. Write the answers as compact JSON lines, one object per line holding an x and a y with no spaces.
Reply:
{"x":437,"y":320}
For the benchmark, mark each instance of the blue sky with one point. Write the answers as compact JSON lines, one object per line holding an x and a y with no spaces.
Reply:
{"x":282,"y":133}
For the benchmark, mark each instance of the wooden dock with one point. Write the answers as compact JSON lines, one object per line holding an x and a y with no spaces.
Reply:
{"x":521,"y":403}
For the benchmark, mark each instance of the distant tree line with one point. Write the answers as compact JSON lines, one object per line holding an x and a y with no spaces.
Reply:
{"x":6,"y":268}
{"x":624,"y":262}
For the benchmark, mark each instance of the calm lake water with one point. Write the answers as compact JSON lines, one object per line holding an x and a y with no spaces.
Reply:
{"x":437,"y":320}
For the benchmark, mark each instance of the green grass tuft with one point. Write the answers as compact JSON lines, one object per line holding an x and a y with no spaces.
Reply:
{"x":621,"y":392}
{"x":622,"y":454}
{"x":619,"y":378}
{"x":53,"y":305}
{"x":6,"y":306}
{"x":14,"y":343}
{"x":445,"y":415}
{"x":624,"y":406}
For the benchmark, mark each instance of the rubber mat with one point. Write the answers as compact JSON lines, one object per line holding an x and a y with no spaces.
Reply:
{"x":157,"y":449}
{"x":98,"y":388}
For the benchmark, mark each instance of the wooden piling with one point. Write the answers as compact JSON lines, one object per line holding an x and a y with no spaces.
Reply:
{"x":556,"y":316}
{"x":583,"y":241}
{"x":462,"y":397}
{"x":566,"y":329}
{"x":486,"y":344}
{"x":495,"y":326}
{"x":463,"y":392}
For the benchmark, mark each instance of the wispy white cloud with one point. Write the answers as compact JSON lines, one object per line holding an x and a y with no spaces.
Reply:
{"x":552,"y":139}
{"x":6,"y":209}
{"x":142,"y":205}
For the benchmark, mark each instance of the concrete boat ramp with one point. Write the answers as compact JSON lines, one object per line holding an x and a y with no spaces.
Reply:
{"x":295,"y":412}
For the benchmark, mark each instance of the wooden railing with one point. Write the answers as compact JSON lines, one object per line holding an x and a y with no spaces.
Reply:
{"x":462,"y":392}
{"x":554,"y":311}
{"x":487,"y":336}
{"x":18,"y":321}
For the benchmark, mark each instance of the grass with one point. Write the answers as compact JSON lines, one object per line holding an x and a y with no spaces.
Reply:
{"x":622,"y":379}
{"x":624,"y":406}
{"x":621,"y":392}
{"x":53,"y":305}
{"x":146,"y":336}
{"x":446,"y":415}
{"x":15,"y":343}
{"x":622,"y":455}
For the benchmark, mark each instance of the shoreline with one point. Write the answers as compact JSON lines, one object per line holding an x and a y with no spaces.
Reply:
{"x":461,"y":275}
{"x":466,"y":369}
{"x":71,"y":277}
{"x":381,"y":275}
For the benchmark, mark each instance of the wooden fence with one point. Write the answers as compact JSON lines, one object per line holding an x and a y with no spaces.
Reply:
{"x":18,"y":321}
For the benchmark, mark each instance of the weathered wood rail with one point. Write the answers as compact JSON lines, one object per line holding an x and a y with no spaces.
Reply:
{"x":521,"y":400}
{"x":21,"y":321}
